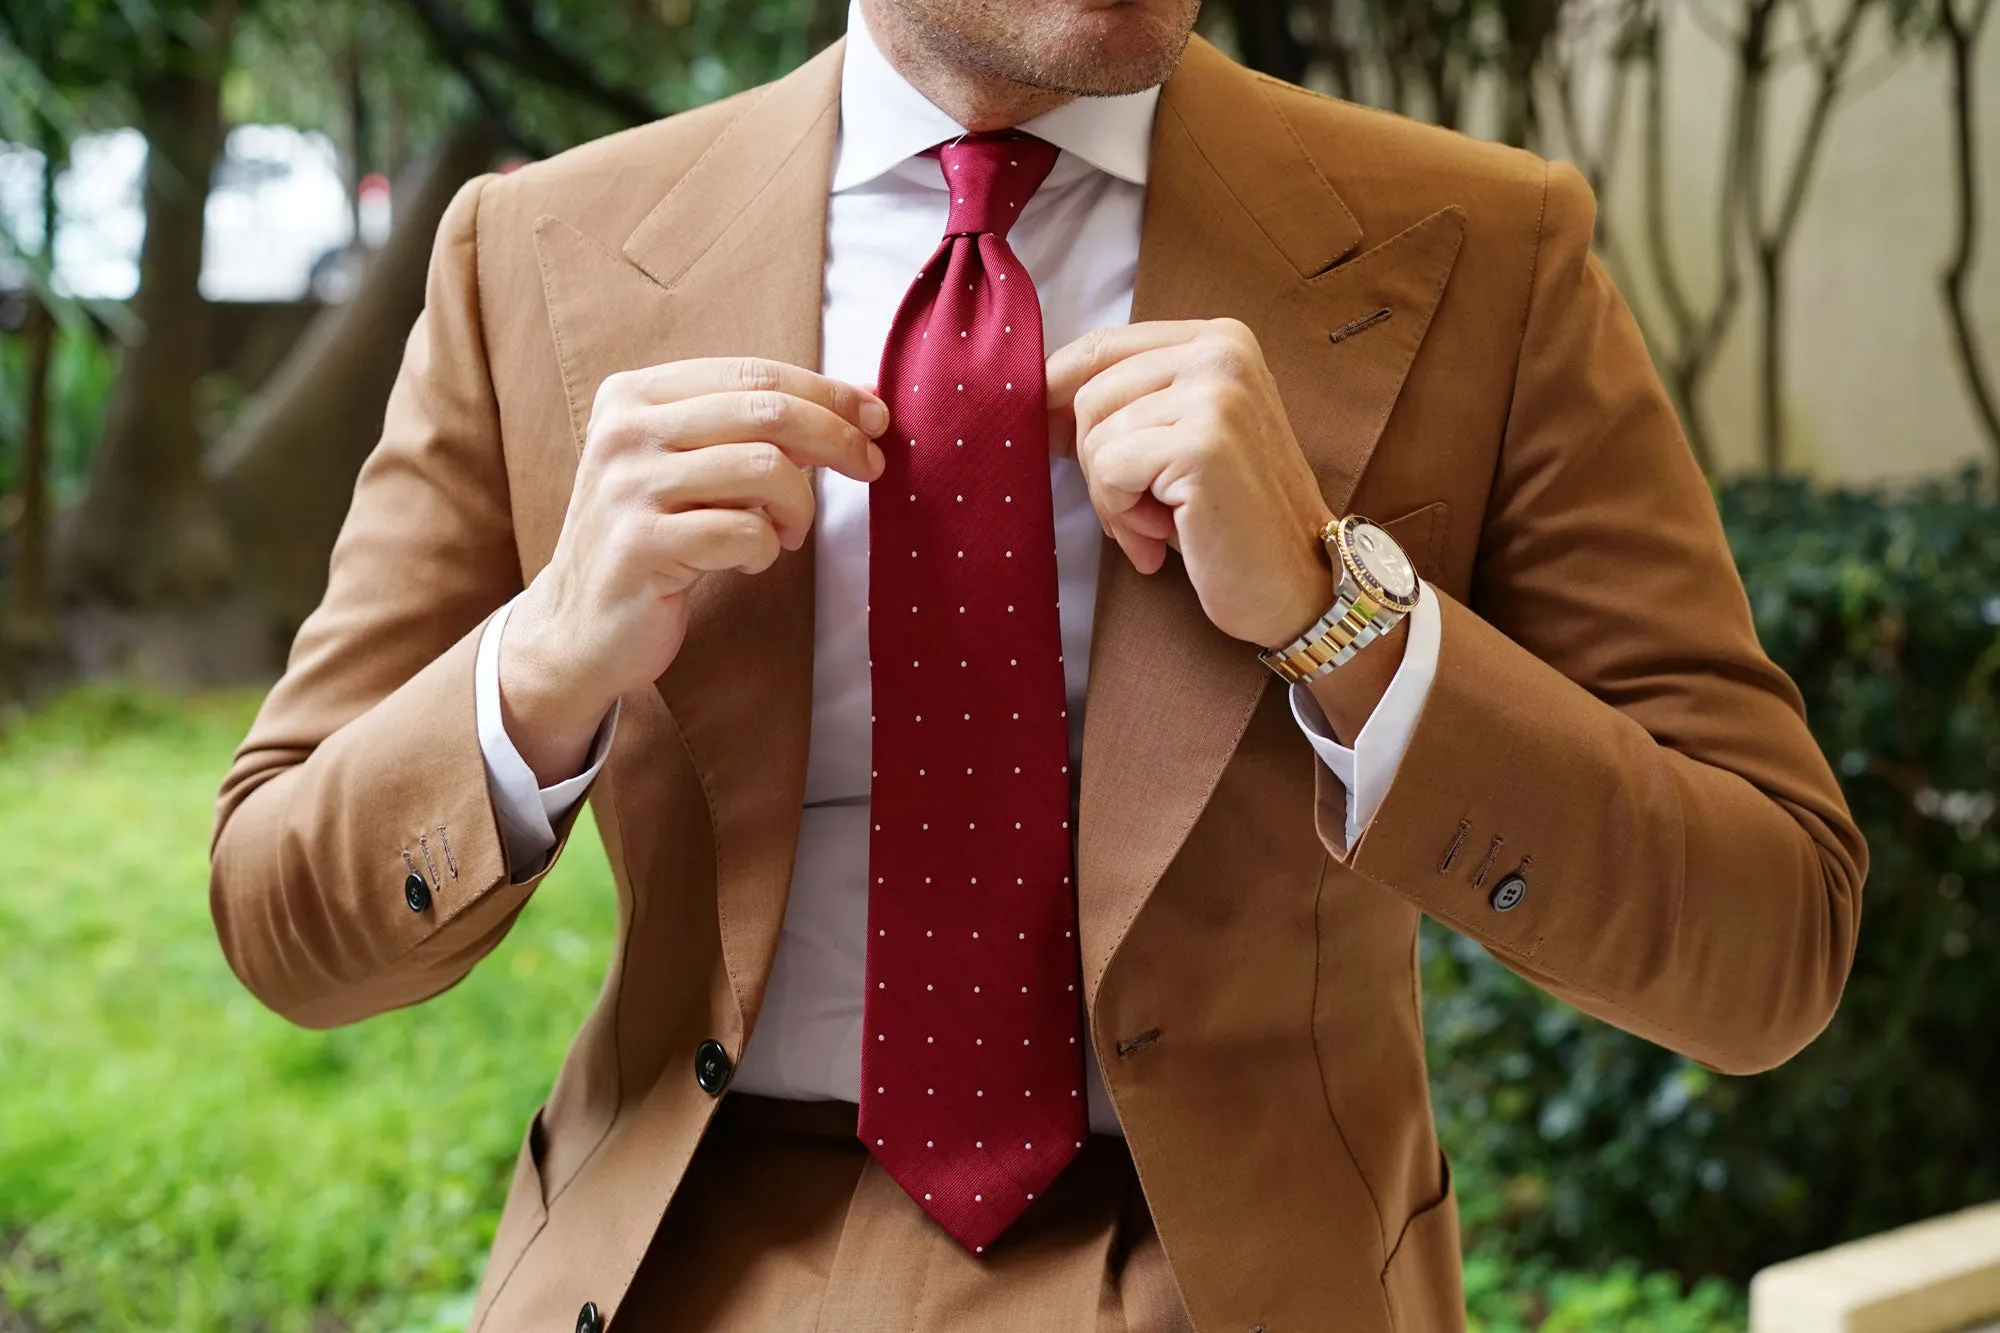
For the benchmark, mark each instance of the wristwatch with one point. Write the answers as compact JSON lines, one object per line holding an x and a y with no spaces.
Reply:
{"x":1377,"y":586}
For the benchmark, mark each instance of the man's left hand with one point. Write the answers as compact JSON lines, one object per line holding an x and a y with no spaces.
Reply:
{"x":1183,"y":442}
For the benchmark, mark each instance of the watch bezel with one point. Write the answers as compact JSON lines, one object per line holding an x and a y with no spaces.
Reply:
{"x":1340,"y":536}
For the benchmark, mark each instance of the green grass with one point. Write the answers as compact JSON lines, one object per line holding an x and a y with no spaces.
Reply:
{"x":174,"y":1157}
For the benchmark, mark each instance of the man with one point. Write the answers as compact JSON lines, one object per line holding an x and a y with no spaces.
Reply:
{"x":712,"y":486}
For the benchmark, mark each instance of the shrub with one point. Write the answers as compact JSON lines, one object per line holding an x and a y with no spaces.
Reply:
{"x":1578,"y":1143}
{"x":1515,"y":1297}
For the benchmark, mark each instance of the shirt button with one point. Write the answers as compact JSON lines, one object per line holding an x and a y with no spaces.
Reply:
{"x":417,"y":893}
{"x":588,"y":1320}
{"x":1507,"y":894}
{"x":712,"y":1067}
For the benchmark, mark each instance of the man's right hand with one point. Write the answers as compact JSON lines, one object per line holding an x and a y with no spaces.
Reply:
{"x":687,"y":468}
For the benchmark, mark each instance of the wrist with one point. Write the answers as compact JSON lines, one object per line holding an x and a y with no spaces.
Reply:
{"x":548,"y":710}
{"x":1310,"y":589}
{"x":1349,"y":694}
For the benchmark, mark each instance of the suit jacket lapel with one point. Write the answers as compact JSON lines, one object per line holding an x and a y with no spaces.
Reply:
{"x":1239,"y":222}
{"x":727,"y":264}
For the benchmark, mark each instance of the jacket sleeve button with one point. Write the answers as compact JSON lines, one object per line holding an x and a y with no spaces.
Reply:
{"x":588,"y":1320}
{"x":1507,"y":894}
{"x":417,"y":893}
{"x":711,"y":1067}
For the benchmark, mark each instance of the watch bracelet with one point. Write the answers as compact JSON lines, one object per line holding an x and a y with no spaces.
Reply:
{"x":1323,"y":646}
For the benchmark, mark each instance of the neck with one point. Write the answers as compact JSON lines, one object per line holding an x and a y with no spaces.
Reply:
{"x":977,"y":99}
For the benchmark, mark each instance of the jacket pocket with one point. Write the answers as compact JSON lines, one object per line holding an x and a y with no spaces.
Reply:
{"x":1422,"y":1280}
{"x":523,"y":1218}
{"x":1422,"y":534}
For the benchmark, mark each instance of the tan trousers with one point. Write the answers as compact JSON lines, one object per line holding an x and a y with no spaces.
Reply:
{"x":785,"y":1224}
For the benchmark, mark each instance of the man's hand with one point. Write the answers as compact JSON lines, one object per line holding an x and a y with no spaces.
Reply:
{"x":1183,"y":442}
{"x":1179,"y":432}
{"x":687,"y":468}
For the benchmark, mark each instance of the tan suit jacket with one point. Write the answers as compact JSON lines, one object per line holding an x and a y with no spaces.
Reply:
{"x":1453,"y":359}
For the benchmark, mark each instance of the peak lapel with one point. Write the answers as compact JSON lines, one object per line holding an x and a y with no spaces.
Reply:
{"x":1239,"y":222}
{"x":727,"y":264}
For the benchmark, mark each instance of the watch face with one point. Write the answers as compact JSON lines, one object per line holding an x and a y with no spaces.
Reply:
{"x":1379,"y":556}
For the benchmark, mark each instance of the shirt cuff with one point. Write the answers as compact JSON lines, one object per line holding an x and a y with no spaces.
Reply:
{"x":528,"y":813}
{"x":1370,"y":766}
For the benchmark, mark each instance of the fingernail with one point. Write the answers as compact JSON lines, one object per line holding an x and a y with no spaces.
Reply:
{"x":876,"y":460}
{"x":874,"y":416}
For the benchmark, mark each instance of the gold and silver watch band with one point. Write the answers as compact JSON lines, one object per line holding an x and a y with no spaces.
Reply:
{"x":1353,"y":622}
{"x":1377,"y":586}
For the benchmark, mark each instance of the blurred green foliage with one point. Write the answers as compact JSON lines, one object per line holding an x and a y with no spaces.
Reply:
{"x":75,"y":65}
{"x":1580,"y":1144}
{"x":80,"y":375}
{"x":394,"y":73}
{"x":369,"y":55}
{"x":1506,"y":1294}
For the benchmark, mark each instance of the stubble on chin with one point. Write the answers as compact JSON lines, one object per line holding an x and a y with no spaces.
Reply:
{"x":1065,"y":57}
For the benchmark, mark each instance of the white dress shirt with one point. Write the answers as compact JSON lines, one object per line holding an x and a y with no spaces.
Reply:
{"x":1079,"y":239}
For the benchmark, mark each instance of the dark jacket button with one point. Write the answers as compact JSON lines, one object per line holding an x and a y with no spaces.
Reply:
{"x":588,"y":1320}
{"x":1507,"y":894}
{"x":416,"y":893}
{"x":712,"y":1067}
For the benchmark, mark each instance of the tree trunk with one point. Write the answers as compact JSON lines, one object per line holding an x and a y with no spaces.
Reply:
{"x":1530,"y":26}
{"x":28,"y":617}
{"x":1962,"y":38}
{"x":1697,"y":334}
{"x":357,"y":132}
{"x":1265,"y":40}
{"x":1770,"y":360}
{"x":28,"y":620}
{"x":1830,"y":59}
{"x":146,"y":533}
{"x":1751,"y":147}
{"x":285,"y":474}
{"x":826,"y":22}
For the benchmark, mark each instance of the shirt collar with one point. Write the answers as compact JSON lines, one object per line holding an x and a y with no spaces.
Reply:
{"x":884,"y":121}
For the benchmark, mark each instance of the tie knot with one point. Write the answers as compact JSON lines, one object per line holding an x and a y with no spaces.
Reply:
{"x":992,"y":177}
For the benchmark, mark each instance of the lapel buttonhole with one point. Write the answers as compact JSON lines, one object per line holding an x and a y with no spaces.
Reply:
{"x":1354,"y":326}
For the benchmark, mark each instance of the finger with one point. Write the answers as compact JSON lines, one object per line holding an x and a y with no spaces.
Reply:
{"x":1147,"y":554}
{"x":739,"y":476}
{"x":1137,"y":377}
{"x":810,"y":434}
{"x":1122,"y":475}
{"x":1153,"y":518}
{"x":1147,"y":398}
{"x":1130,"y":455}
{"x":704,"y":541}
{"x":1116,"y":387}
{"x":1133,"y":524}
{"x":672,"y":381}
{"x":1074,"y":364}
{"x":1121,"y":469}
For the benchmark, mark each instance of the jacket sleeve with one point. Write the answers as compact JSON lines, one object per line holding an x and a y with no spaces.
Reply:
{"x":363,"y":766}
{"x":1605,"y":725}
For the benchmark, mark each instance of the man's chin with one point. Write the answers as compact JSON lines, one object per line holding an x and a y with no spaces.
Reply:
{"x":1138,"y":54}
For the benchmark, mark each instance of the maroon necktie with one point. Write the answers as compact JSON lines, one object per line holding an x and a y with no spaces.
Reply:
{"x":971,"y":1058}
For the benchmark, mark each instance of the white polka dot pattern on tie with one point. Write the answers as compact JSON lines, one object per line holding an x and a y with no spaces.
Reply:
{"x":1006,"y":956}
